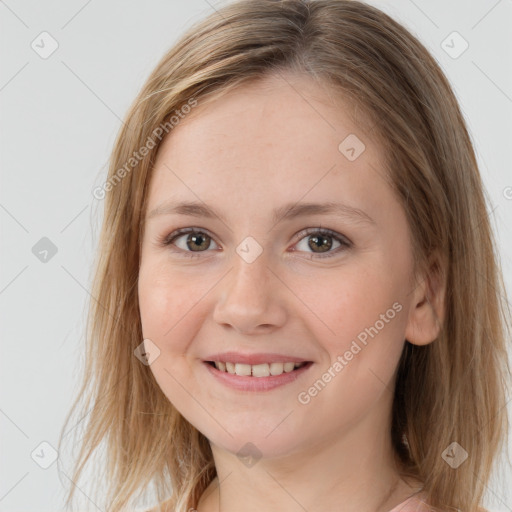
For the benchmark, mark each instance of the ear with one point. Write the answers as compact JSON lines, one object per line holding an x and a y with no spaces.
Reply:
{"x":427,"y":308}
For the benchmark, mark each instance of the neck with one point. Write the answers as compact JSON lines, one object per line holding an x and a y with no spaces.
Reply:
{"x":354,"y":473}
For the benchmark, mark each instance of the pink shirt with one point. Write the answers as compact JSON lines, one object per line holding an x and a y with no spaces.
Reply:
{"x":415,"y":503}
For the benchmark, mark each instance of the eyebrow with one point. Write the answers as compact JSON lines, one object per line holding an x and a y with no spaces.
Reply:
{"x":286,"y":212}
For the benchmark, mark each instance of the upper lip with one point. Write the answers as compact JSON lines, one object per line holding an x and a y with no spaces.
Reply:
{"x":260,"y":358}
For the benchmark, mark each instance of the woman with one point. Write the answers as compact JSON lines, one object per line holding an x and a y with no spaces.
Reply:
{"x":265,"y":374}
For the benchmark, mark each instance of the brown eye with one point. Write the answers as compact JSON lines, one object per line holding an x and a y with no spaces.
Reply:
{"x":194,"y":241}
{"x":321,"y":241}
{"x":198,"y":241}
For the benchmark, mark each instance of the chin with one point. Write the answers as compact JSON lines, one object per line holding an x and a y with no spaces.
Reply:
{"x":253,"y":445}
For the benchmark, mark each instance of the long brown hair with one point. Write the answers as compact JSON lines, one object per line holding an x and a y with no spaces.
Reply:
{"x":451,"y":390}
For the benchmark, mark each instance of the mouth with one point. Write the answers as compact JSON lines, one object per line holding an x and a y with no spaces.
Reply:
{"x":259,"y":378}
{"x":258,"y":370}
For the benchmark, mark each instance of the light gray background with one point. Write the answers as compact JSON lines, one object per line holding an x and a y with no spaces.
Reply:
{"x":59,"y":119}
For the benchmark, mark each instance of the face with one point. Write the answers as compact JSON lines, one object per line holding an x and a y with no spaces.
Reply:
{"x":255,"y":281}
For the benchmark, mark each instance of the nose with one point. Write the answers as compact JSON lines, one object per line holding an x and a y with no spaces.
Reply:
{"x":250,"y":299}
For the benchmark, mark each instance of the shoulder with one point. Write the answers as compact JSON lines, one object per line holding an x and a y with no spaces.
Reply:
{"x":419,"y":504}
{"x":162,"y":507}
{"x":159,"y":508}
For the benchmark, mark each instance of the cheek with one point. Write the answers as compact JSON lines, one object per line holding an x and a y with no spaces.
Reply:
{"x":168,"y":305}
{"x":348,"y":298}
{"x":360,"y":314}
{"x":364,"y":339}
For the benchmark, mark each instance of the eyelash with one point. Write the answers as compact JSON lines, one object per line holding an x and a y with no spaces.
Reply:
{"x":345,"y":244}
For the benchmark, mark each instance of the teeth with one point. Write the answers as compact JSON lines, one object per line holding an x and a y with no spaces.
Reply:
{"x":288,"y":367}
{"x":261,"y":370}
{"x":257,"y":370}
{"x":242,"y":369}
{"x":276,"y":368}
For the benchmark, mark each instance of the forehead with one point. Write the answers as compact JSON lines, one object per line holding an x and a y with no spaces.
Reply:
{"x":275,"y":107}
{"x":282,"y":136}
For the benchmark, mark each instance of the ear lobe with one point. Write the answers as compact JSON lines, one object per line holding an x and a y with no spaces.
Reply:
{"x":427,"y":313}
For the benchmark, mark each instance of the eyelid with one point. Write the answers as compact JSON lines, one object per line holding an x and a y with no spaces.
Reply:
{"x":168,"y":239}
{"x":338,"y":236}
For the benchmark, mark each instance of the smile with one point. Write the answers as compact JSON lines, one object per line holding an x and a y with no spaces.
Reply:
{"x":258,"y":377}
{"x":256,"y":370}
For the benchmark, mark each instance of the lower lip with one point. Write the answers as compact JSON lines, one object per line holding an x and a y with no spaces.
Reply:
{"x":242,"y":383}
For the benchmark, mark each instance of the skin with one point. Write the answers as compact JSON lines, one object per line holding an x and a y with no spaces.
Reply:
{"x":266,"y":144}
